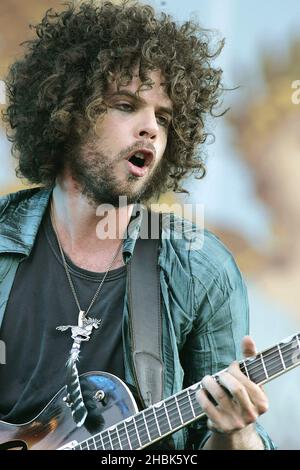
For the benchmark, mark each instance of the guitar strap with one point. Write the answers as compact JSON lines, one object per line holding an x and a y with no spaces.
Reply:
{"x":145,"y":318}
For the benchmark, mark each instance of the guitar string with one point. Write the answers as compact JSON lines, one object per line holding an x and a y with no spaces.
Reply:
{"x":272,"y":354}
{"x":251,"y":368}
{"x":144,"y":435}
{"x":173,"y":407}
{"x":109,"y":440}
{"x":151,"y":426}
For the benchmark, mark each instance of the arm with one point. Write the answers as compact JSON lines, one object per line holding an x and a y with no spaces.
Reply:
{"x":220,"y":323}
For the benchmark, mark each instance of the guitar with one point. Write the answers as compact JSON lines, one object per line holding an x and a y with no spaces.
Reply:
{"x":114,"y":421}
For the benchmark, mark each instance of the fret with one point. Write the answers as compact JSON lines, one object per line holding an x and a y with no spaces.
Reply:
{"x":129,"y":441}
{"x":118,"y":436}
{"x":110,"y":441}
{"x":280,"y":355}
{"x":114,"y":438}
{"x":185,"y":407}
{"x":255,"y":369}
{"x":124,"y":436}
{"x":167,"y":415}
{"x":130,"y":425}
{"x":197,"y":408}
{"x":264,"y":366}
{"x":151,"y":423}
{"x":83,"y":446}
{"x":246,"y":369}
{"x":298,"y":342}
{"x":94,"y":443}
{"x":102,"y":443}
{"x":146,"y":426}
{"x":273,"y":361}
{"x":97,"y":440}
{"x":176,"y":401}
{"x":162,"y":418}
{"x":87,"y":445}
{"x":137,"y":432}
{"x":105,"y":439}
{"x":296,"y":350}
{"x":142,"y":429}
{"x":173,"y":413}
{"x":289,"y":350}
{"x":191,"y":403}
{"x":155,"y":417}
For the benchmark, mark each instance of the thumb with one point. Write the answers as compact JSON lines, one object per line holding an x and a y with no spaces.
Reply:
{"x":248,"y":346}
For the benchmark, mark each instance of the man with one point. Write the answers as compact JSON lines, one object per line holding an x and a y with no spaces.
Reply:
{"x":110,"y":101}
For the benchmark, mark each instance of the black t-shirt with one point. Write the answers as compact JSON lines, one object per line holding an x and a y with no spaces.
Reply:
{"x":40,"y":300}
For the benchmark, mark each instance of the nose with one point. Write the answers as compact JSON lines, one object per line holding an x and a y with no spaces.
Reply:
{"x":147,"y":126}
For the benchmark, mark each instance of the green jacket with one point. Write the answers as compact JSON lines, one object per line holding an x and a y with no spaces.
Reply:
{"x":204,"y":299}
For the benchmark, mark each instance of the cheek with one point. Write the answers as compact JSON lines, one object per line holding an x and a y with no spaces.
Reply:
{"x":163,"y":143}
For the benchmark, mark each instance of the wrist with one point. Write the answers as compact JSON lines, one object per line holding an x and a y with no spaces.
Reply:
{"x":244,"y":439}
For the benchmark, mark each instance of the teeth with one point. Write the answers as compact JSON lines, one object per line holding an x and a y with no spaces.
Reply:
{"x":140,"y":155}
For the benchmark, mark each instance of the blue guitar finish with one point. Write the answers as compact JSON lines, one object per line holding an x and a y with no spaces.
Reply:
{"x":107,"y":399}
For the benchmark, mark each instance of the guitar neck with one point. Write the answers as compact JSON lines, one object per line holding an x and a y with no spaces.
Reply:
{"x":170,"y":415}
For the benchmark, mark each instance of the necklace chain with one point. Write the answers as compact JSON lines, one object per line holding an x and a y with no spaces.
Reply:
{"x":68,"y":272}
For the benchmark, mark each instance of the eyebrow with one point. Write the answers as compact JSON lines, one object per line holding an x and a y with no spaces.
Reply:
{"x":138,"y":99}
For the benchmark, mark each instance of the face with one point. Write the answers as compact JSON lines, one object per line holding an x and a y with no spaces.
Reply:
{"x":123,"y":156}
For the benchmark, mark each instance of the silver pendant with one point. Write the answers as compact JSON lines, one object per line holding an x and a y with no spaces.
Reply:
{"x":82,"y":331}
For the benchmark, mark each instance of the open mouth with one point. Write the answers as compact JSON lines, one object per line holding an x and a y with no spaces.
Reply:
{"x":141,"y":158}
{"x":139,"y":162}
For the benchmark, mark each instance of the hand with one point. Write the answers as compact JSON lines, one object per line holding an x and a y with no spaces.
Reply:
{"x":239,"y":401}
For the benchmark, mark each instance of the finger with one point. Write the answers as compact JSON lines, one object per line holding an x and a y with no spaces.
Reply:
{"x":207,"y":406}
{"x":216,"y":391}
{"x":248,"y":346}
{"x":255,"y":392}
{"x":240,"y":397}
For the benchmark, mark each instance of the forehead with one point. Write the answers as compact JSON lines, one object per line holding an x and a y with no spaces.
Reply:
{"x":157,"y":91}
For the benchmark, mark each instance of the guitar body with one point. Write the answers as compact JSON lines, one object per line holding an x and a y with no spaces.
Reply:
{"x":114,"y":421}
{"x":107,"y":399}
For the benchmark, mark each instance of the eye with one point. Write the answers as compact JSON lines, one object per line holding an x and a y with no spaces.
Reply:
{"x":163,"y":121}
{"x":125,"y":107}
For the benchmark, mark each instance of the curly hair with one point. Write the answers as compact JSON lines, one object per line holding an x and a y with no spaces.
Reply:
{"x":56,"y":91}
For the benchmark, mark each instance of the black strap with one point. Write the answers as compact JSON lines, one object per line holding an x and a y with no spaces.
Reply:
{"x":145,"y":310}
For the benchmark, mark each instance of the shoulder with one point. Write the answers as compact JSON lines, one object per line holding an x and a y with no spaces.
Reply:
{"x":12,"y":201}
{"x":199,"y":255}
{"x":197,"y":247}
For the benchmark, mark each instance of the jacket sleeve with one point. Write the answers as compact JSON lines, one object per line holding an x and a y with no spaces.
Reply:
{"x":221,"y":320}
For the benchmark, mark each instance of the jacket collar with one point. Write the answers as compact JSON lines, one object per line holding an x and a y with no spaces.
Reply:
{"x":21,"y":214}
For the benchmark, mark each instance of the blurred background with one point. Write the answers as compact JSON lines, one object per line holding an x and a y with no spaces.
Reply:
{"x":252,"y":190}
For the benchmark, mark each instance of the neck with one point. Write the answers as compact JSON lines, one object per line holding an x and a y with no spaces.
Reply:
{"x":84,"y":228}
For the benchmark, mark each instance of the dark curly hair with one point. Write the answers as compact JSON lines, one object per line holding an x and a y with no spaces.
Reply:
{"x":55,"y":93}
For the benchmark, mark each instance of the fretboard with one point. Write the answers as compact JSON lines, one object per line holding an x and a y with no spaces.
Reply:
{"x":167,"y":416}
